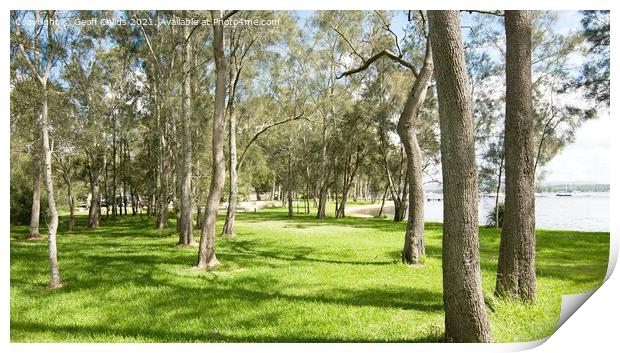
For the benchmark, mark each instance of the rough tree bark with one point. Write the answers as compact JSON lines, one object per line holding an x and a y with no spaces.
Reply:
{"x":465,"y":312}
{"x":186,"y":236}
{"x":206,"y":252}
{"x":516,"y":270}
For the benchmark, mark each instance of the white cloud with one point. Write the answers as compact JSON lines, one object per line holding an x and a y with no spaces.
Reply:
{"x":588,"y":158}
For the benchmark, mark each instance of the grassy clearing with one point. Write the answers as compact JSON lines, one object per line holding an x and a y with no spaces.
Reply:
{"x":281,"y":280}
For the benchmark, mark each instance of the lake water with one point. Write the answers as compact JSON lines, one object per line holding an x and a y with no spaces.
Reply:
{"x":583,"y":211}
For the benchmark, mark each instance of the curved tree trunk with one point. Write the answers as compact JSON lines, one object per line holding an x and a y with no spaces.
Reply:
{"x":413,"y":249}
{"x":206,"y":253}
{"x":516,"y":270}
{"x":465,"y":312}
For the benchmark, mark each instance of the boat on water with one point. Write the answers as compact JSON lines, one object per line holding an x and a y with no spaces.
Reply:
{"x":564,"y":194}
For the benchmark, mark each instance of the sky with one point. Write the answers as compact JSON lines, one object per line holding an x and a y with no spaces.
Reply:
{"x":587,"y":159}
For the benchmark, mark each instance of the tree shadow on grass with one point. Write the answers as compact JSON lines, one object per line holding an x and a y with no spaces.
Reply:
{"x":244,"y":248}
{"x":98,"y":333}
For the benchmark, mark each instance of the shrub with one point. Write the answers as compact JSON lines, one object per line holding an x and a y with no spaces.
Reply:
{"x":491,"y":216}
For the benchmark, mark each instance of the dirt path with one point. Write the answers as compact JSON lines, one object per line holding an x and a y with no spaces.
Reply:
{"x":369,"y":211}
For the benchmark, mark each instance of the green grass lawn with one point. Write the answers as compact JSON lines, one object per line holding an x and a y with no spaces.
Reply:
{"x":281,"y":280}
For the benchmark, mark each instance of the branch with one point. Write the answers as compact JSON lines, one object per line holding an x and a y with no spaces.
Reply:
{"x":348,"y":42}
{"x":263,"y":130}
{"x":148,"y":43}
{"x":34,"y":70}
{"x":386,"y":26}
{"x":494,"y":13}
{"x":374,"y":58}
{"x":229,"y":13}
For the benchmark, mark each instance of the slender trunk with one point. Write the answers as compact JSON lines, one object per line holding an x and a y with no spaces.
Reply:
{"x":70,"y":201}
{"x":324,"y":175}
{"x":465,"y":311}
{"x":273,"y":188}
{"x":345,"y":189}
{"x":114,"y":171}
{"x":162,"y":207}
{"x":289,"y":180}
{"x":206,"y":253}
{"x":383,"y":200}
{"x":186,"y":236}
{"x":497,"y":190}
{"x":199,"y":217}
{"x":414,"y":247}
{"x":35,"y":213}
{"x":125,"y":160}
{"x":401,"y":204}
{"x":106,"y":191}
{"x":95,"y":203}
{"x":49,"y":184}
{"x":516,"y":270}
{"x":349,"y":178}
{"x":232,"y":195}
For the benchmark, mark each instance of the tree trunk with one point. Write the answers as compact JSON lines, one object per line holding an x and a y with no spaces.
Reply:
{"x":414,"y":248}
{"x":516,"y":270}
{"x":35,"y":213}
{"x":320,"y":214}
{"x":49,"y":184}
{"x":383,"y":200}
{"x":70,"y":200}
{"x":114,"y":170}
{"x":289,"y":179}
{"x":401,"y":203}
{"x":199,"y":217}
{"x":186,"y":236}
{"x":106,"y":190}
{"x":324,"y":175}
{"x":95,"y":199}
{"x":232,"y":195}
{"x":162,"y":207}
{"x":273,"y":187}
{"x":125,"y":160}
{"x":465,"y":311}
{"x":497,"y":190}
{"x":206,"y":253}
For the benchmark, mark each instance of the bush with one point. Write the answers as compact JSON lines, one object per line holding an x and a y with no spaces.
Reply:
{"x":491,"y":216}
